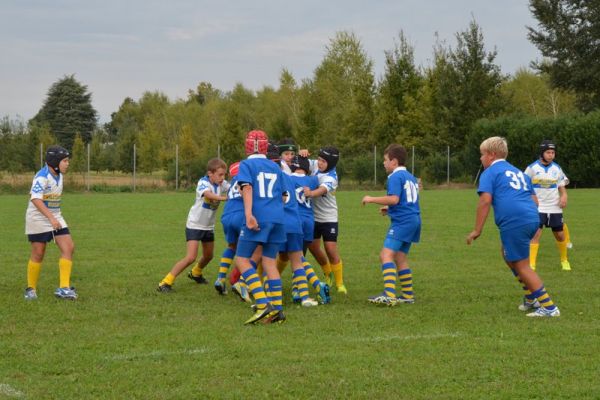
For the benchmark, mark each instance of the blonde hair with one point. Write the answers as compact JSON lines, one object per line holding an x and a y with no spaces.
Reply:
{"x":496,"y":145}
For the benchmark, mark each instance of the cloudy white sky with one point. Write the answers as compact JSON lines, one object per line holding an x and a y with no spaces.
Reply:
{"x":121,"y":48}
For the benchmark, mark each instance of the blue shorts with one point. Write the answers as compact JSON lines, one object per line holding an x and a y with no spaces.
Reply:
{"x":199,"y":235}
{"x":396,"y":245}
{"x":47,"y":236}
{"x":270,"y":236}
{"x":515,"y":242}
{"x":294,"y":242}
{"x":308,"y":229}
{"x":232,"y":225}
{"x":410,"y":231}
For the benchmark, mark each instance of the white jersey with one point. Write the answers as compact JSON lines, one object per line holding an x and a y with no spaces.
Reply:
{"x":546,"y":180}
{"x":325,"y":206}
{"x":285,"y":168}
{"x":203,"y":213}
{"x":48,"y":188}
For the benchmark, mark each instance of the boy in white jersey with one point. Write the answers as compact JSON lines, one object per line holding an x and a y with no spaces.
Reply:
{"x":326,"y":216}
{"x":44,"y":222}
{"x":200,"y":226}
{"x":549,"y":183}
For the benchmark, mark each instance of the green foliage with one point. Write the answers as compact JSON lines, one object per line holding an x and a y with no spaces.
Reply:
{"x":78,"y":161}
{"x":67,"y":111}
{"x":531,"y":94}
{"x":568,"y":36}
{"x":577,"y":138}
{"x":463,"y":338}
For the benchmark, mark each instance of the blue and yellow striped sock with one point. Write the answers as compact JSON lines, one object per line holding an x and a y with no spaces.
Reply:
{"x":275,"y":293}
{"x":406,"y":283}
{"x":300,"y":282}
{"x":544,"y":298}
{"x":311,"y":276}
{"x":389,"y":279}
{"x":225,"y":263}
{"x":528,"y":294}
{"x":255,"y":288}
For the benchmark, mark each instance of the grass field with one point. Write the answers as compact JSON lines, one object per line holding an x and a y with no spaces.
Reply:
{"x":463,"y":339}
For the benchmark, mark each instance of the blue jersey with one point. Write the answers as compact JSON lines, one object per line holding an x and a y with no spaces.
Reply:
{"x":234,"y":201}
{"x":292,"y":223}
{"x":266,"y":180}
{"x":406,"y":214}
{"x":304,"y":203}
{"x":511,"y":192}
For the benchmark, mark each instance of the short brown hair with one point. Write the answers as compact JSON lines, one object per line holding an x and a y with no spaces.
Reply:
{"x":398,"y":152}
{"x":214,"y":164}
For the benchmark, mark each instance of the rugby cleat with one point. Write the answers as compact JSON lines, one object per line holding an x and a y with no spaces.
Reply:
{"x":198,"y":279}
{"x":308,"y":302}
{"x":221,"y":287}
{"x":407,"y":300}
{"x":260,"y":313}
{"x":342,"y":289}
{"x":382,"y":299}
{"x":30,"y":294}
{"x":164,"y":288}
{"x":565,"y":265}
{"x":67,"y":293}
{"x":528,"y":305}
{"x":275,"y":317}
{"x":544,"y":313}
{"x":241,"y":291}
{"x":323,"y":296}
{"x":295,"y":295}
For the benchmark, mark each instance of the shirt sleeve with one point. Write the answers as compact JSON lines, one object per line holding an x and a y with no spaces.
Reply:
{"x":202,"y":187}
{"x":328,"y":182}
{"x":37,"y":187}
{"x":486,"y":183}
{"x":244,"y":175}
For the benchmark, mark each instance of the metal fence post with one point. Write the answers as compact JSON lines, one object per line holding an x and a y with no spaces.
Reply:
{"x":448,"y":169}
{"x":134,"y":167}
{"x":375,"y":165}
{"x":176,"y":166}
{"x":87,"y":178}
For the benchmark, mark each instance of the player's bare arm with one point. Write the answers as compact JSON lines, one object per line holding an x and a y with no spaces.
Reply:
{"x":390,"y":200}
{"x":251,"y":221}
{"x":483,"y":209}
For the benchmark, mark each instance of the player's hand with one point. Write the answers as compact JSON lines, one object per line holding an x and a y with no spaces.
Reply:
{"x":55,"y":224}
{"x":252,"y":223}
{"x":472,"y":236}
{"x":383,"y":210}
{"x":562,"y":202}
{"x":366,"y":200}
{"x":307,"y":191}
{"x":303,"y":153}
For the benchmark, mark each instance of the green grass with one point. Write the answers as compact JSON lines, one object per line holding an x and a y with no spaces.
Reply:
{"x":464,"y":338}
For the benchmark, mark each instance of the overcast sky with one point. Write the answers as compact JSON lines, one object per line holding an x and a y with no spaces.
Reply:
{"x":122,"y":48}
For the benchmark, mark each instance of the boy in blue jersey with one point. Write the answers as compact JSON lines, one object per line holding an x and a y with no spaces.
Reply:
{"x":200,"y":225}
{"x":401,"y":204}
{"x":509,"y":191}
{"x":44,"y":222}
{"x":261,"y":186}
{"x":300,"y":167}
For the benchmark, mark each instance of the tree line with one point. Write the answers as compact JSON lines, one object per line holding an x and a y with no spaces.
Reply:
{"x":461,"y":97}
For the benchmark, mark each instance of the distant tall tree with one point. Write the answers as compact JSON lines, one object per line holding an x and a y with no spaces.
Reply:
{"x":568,"y":35}
{"x":397,"y":92}
{"x":67,"y":110}
{"x":343,"y":95}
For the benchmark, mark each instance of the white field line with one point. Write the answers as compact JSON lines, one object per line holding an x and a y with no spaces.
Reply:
{"x":433,"y":336}
{"x":9,"y":391}
{"x":154,"y":354}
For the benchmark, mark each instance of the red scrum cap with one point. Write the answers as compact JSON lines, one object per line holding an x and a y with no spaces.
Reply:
{"x":256,"y":142}
{"x":234,"y":169}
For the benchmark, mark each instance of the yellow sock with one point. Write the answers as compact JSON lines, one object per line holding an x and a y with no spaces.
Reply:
{"x":338,"y":273}
{"x":567,"y":234}
{"x":562,"y":250}
{"x":197,"y":271}
{"x":33,"y":273}
{"x":533,"y":252}
{"x":64,"y":267}
{"x":169,"y":279}
{"x":326,"y":269}
{"x":281,"y":264}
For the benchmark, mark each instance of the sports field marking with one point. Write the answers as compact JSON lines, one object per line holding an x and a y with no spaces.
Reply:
{"x":155,"y":354}
{"x":9,"y":391}
{"x":409,"y":337}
